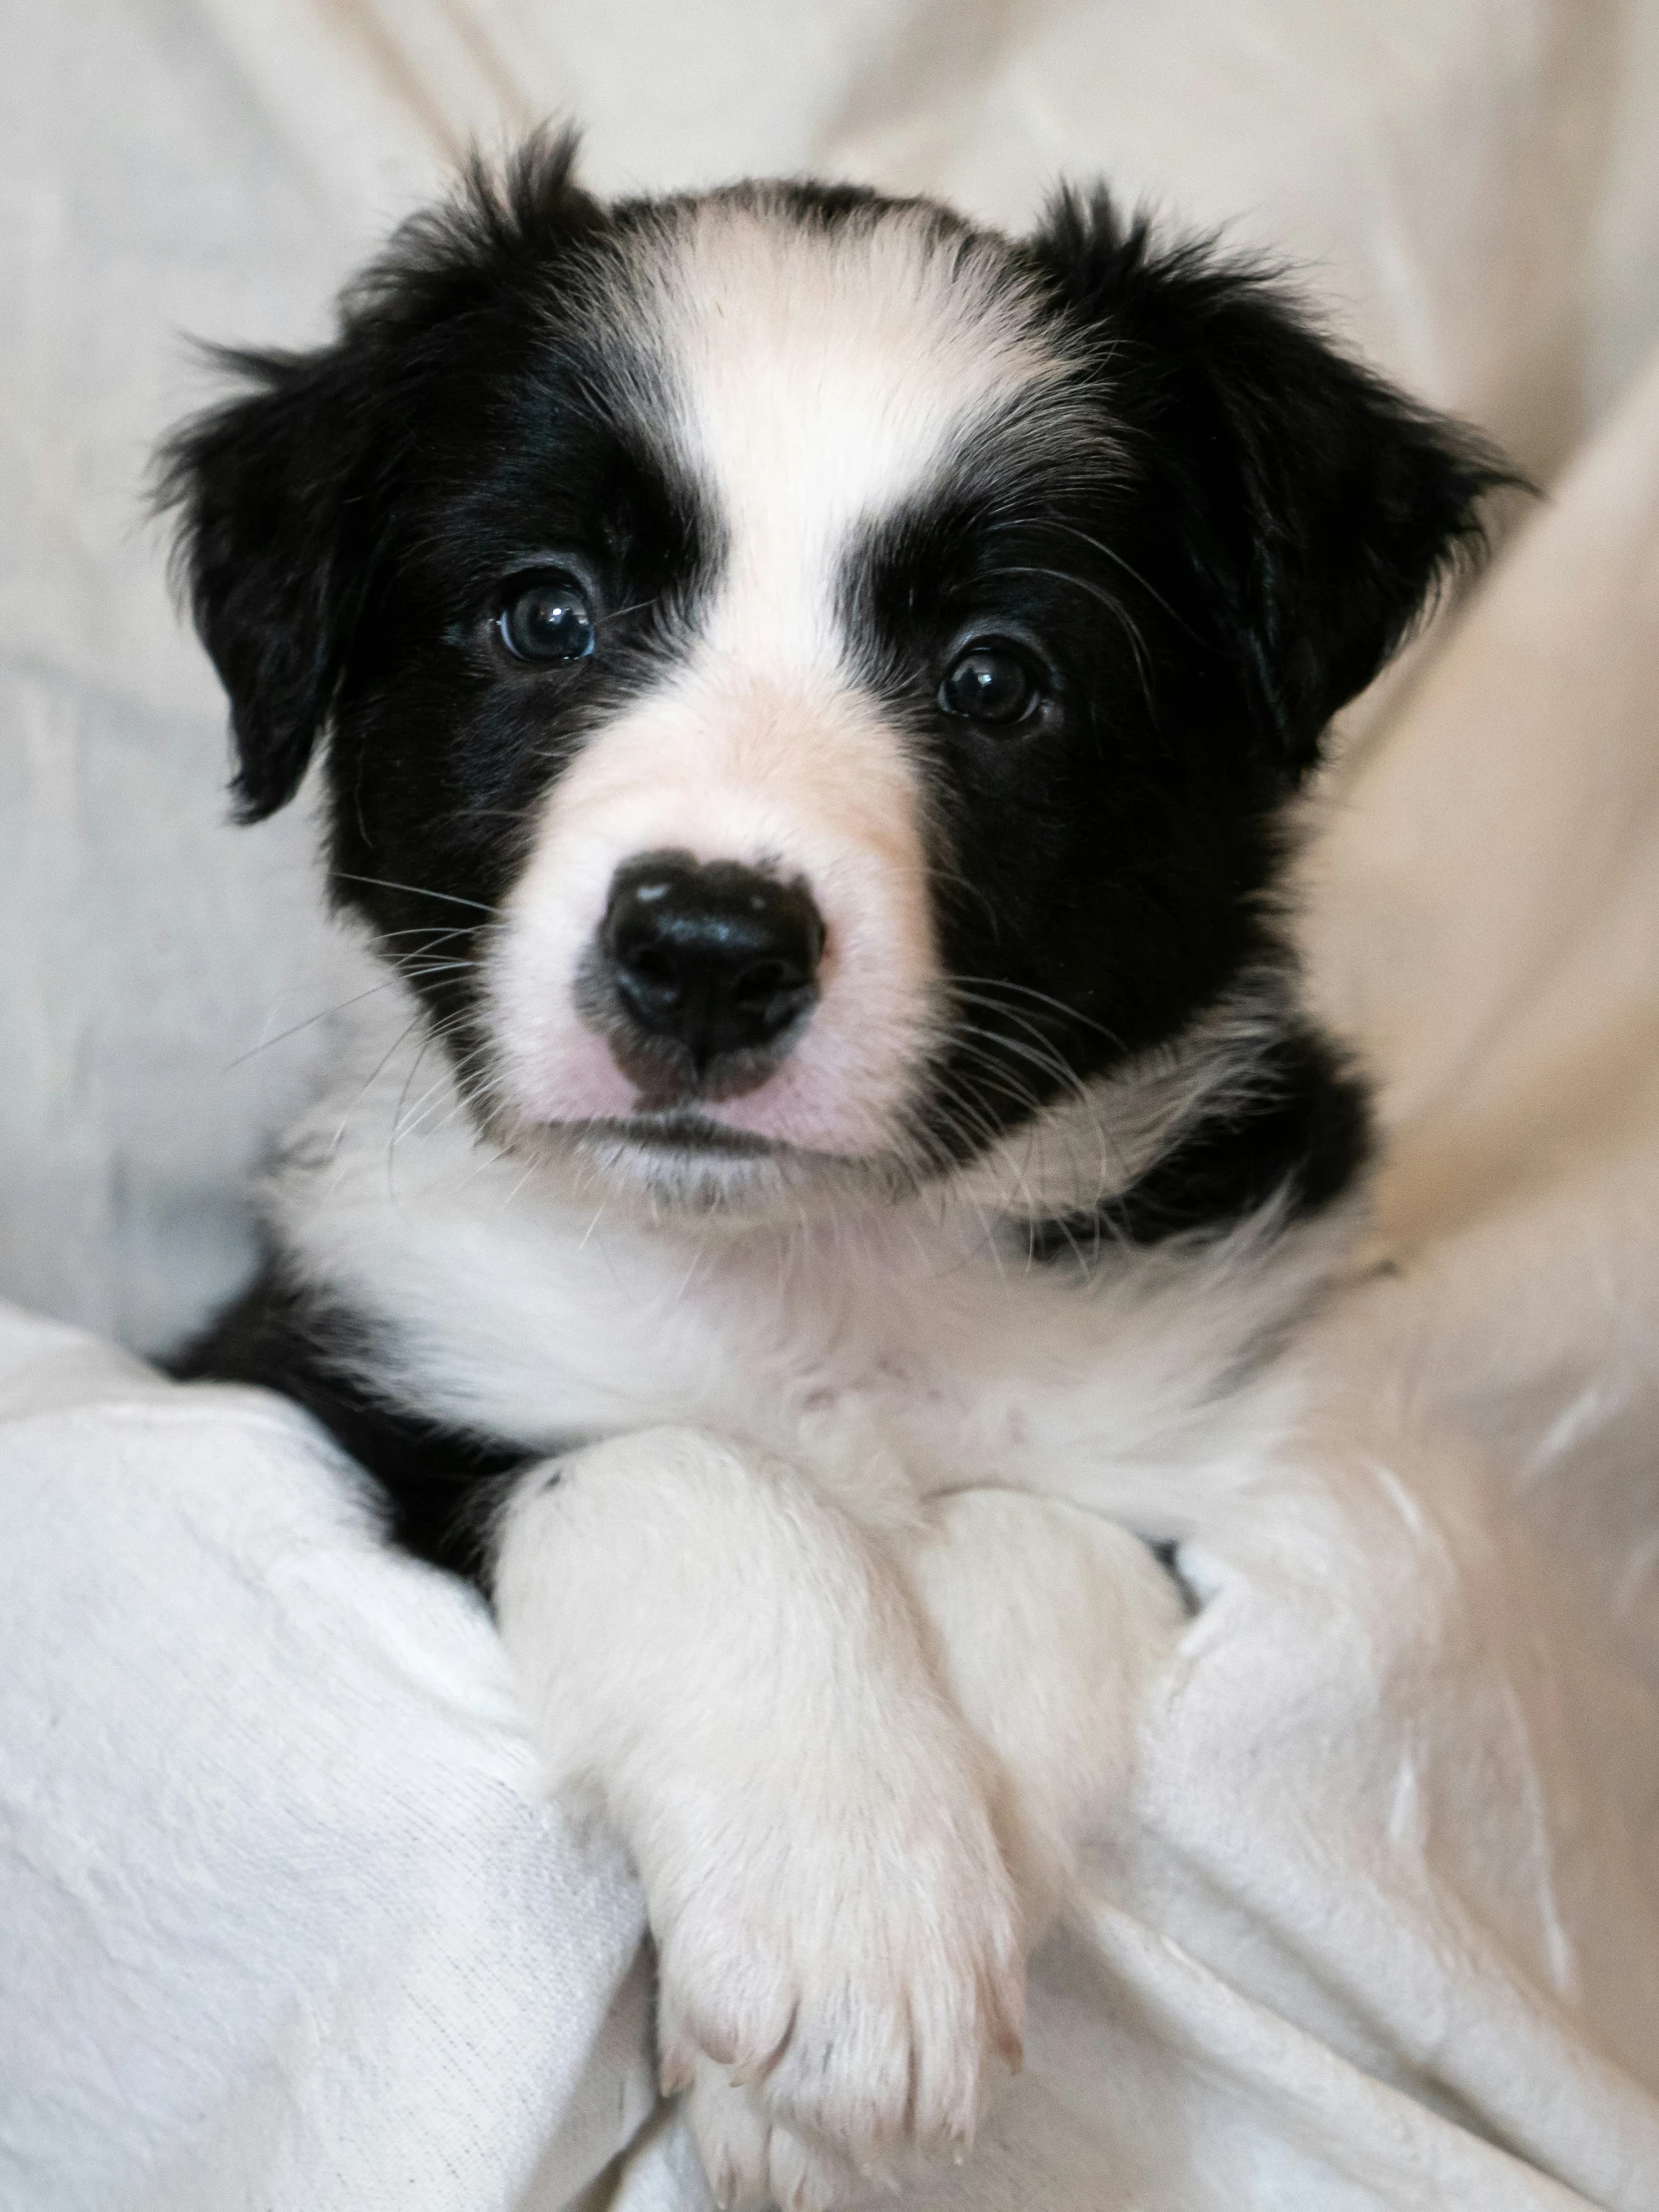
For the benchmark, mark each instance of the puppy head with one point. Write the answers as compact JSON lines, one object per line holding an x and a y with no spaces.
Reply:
{"x":808,"y":683}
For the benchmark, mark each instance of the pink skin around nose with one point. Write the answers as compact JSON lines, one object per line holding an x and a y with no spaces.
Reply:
{"x":731,"y":784}
{"x":826,"y":1095}
{"x":837,"y":1091}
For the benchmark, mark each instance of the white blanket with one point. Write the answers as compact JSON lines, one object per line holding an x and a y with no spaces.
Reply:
{"x":283,"y":1920}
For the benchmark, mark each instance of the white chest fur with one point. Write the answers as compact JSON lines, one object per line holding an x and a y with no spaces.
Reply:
{"x":893,"y":1353}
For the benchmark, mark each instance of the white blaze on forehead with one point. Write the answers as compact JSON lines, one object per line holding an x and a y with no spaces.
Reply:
{"x":820,"y":376}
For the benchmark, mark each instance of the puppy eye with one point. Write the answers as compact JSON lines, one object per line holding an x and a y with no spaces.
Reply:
{"x":549,"y":621}
{"x":990,"y":683}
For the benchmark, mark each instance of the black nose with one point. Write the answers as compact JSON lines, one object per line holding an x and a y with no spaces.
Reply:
{"x":710,"y":957}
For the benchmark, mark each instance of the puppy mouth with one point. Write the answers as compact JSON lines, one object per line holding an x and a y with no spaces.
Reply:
{"x":679,"y":1131}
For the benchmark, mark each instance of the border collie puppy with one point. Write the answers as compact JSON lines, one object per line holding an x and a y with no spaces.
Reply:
{"x":813,"y":694}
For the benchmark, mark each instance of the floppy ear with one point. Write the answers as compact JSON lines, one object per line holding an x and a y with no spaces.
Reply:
{"x":1323,"y":508}
{"x":261,"y":485}
{"x":281,"y":493}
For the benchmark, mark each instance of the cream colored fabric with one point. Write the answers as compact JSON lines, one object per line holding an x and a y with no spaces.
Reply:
{"x":281,"y":1920}
{"x":1466,"y":185}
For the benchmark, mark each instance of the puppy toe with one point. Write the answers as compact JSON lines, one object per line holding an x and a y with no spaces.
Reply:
{"x":808,"y":2179}
{"x":753,"y":2160}
{"x":732,"y":2139}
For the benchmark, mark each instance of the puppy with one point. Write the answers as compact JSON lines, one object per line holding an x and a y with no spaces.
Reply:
{"x":813,"y":693}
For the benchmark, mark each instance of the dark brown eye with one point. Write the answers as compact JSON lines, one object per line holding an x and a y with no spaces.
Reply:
{"x":548,"y":621}
{"x":990,"y":683}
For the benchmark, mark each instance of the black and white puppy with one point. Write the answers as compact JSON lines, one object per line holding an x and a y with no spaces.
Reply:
{"x":813,"y":691}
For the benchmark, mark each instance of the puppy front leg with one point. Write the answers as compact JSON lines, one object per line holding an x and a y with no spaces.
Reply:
{"x":734,"y":1671}
{"x":1048,"y":1624}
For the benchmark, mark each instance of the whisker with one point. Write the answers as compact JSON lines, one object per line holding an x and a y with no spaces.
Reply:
{"x":376,"y":1073}
{"x":1111,"y":554}
{"x":407,"y":1124}
{"x":1043,"y":998}
{"x":282,"y":1037}
{"x":1049,"y":1063}
{"x":615,"y":614}
{"x":1027,"y":1023}
{"x":428,"y":930}
{"x":1121,"y":614}
{"x":416,"y":891}
{"x":509,"y":1196}
{"x":971,"y":1041}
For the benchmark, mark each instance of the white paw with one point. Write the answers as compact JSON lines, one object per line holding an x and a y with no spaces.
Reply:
{"x":850,"y":1948}
{"x":751,"y":2159}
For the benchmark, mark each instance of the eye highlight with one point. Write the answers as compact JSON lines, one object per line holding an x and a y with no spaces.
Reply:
{"x":992,"y":683}
{"x":549,"y":621}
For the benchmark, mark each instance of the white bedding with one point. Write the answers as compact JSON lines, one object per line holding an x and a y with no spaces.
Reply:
{"x":283,"y":1922}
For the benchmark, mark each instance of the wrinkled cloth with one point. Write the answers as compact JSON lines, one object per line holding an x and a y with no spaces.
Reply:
{"x":284,"y":1918}
{"x":1469,"y":191}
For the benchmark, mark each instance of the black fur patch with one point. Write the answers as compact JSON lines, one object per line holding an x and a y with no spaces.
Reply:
{"x":439,"y":1482}
{"x":1300,"y":1131}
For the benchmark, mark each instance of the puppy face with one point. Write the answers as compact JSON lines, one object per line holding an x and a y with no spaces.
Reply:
{"x":810,"y":685}
{"x":724,"y":927}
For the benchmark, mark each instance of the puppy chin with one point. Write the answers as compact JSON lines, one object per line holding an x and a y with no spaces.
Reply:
{"x":683,"y":1161}
{"x":738,"y":1156}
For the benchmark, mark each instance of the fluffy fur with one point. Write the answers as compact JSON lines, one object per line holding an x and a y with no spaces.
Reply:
{"x":814,"y":694}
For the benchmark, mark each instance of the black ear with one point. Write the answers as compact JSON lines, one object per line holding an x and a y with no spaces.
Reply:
{"x":261,"y":486}
{"x":283,"y":493}
{"x":1322,"y":508}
